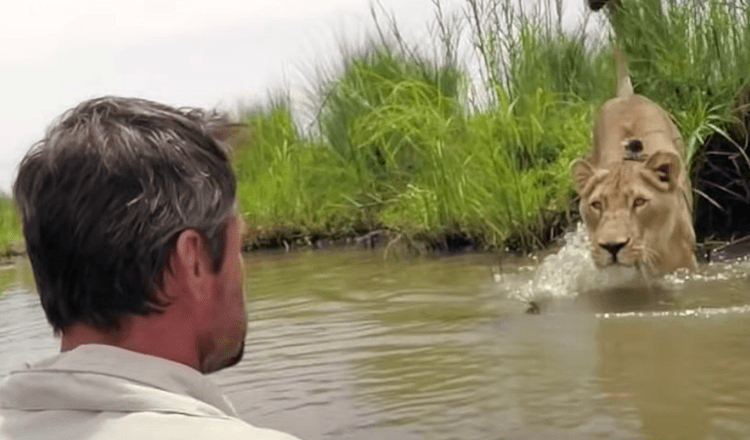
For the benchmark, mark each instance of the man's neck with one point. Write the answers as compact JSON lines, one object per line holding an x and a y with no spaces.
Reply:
{"x":82,"y":334}
{"x":149,"y":335}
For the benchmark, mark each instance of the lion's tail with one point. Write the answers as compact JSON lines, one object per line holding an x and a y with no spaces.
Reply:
{"x":624,"y":85}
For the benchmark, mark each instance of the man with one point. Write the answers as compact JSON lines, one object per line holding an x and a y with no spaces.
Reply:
{"x":128,"y":214}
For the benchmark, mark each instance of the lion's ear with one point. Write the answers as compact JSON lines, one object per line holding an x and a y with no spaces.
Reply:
{"x":582,"y":172}
{"x":665,"y":167}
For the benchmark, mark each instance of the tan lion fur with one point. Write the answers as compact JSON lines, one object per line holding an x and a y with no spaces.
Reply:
{"x":638,"y":212}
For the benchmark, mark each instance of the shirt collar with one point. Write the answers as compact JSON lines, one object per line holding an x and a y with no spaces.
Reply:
{"x":125,"y":370}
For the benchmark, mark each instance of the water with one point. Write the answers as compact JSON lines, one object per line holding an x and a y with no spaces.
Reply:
{"x":345,"y":344}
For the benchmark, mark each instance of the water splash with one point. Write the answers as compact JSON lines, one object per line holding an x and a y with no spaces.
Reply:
{"x":571,"y":270}
{"x":570,"y":274}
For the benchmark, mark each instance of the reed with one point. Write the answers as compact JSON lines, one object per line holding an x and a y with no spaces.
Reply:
{"x":289,"y":183}
{"x":399,"y":144}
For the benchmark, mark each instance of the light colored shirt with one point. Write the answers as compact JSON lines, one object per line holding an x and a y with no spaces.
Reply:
{"x":105,"y":392}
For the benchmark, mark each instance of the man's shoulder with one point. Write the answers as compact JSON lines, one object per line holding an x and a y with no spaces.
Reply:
{"x":145,"y":425}
{"x":180,"y":426}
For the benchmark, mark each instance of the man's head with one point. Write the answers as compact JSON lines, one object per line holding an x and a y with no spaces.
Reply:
{"x":107,"y":198}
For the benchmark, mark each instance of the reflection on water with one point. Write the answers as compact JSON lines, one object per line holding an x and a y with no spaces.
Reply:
{"x":345,"y":345}
{"x":24,"y":332}
{"x":342,"y":344}
{"x":668,"y":370}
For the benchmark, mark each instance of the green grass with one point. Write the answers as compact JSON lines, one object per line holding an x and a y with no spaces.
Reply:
{"x":289,"y":184}
{"x":404,"y":141}
{"x":397,"y":148}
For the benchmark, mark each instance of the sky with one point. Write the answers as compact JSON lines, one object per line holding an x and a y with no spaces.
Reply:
{"x":206,"y":53}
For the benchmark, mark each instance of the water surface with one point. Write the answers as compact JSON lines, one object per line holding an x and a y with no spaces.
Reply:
{"x":344,"y":344}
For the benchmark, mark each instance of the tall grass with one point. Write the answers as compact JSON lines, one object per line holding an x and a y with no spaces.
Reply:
{"x":406,"y":140}
{"x":693,"y":56}
{"x":287,"y":183}
{"x":398,"y":148}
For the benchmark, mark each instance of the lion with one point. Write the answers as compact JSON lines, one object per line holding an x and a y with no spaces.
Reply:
{"x":636,"y":199}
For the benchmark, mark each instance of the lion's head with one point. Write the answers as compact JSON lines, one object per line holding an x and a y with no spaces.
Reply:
{"x":638,"y":213}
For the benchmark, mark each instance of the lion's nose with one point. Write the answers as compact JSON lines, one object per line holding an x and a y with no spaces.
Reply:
{"x":614,"y":246}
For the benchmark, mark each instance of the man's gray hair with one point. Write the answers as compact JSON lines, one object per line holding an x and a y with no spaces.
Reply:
{"x":104,"y":195}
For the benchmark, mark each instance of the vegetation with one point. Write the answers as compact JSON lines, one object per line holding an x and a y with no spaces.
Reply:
{"x":468,"y":138}
{"x":405,"y":141}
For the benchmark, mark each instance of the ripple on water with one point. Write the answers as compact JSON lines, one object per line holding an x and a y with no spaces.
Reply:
{"x":437,"y":354}
{"x":25,"y":334}
{"x":703,"y":312}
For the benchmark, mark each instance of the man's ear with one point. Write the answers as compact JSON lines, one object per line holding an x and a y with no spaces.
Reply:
{"x":663,"y":170}
{"x":190,"y":260}
{"x":582,"y":172}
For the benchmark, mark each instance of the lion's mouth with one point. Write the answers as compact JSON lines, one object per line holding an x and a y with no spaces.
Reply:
{"x":614,"y":260}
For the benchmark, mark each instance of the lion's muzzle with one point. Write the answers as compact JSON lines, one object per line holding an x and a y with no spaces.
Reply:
{"x":613,"y":247}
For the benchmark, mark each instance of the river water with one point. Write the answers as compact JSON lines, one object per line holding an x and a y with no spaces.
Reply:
{"x":348,"y":344}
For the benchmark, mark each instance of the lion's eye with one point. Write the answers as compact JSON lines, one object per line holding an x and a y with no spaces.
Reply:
{"x":596,"y":205}
{"x":639,"y":201}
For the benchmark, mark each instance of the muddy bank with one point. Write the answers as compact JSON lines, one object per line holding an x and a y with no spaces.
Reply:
{"x":547,"y":230}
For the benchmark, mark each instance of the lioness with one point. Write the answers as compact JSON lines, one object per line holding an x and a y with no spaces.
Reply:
{"x":635,"y":194}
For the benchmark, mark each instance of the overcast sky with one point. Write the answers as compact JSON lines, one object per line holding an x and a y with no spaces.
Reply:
{"x":208,"y":53}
